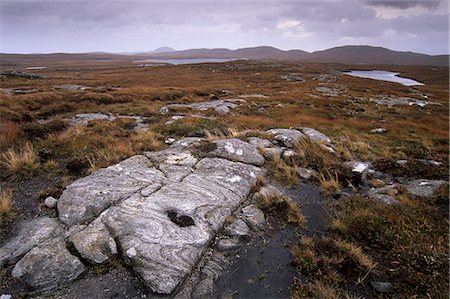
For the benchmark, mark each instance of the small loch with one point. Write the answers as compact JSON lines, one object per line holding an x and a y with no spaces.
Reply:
{"x":384,"y":76}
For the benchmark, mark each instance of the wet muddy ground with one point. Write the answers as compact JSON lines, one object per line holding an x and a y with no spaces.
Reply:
{"x":264,"y":268}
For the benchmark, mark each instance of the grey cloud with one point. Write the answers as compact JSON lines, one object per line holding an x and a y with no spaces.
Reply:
{"x":404,"y":4}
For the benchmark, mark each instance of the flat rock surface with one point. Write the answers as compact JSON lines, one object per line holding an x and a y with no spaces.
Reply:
{"x":28,"y":235}
{"x":237,"y":150}
{"x":48,"y":266}
{"x":86,"y":198}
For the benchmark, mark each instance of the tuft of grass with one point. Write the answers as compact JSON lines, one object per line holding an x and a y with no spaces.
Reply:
{"x":329,"y":181}
{"x":6,"y":205}
{"x":23,"y":161}
{"x":315,"y":155}
{"x":283,"y":172}
{"x":284,"y":208}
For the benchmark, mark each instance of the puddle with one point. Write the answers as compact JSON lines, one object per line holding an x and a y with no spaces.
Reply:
{"x":384,"y":76}
{"x":189,"y":60}
{"x":264,"y":269}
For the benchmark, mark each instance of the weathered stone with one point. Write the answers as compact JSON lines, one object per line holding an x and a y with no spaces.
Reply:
{"x":287,"y":137}
{"x":377,"y":183}
{"x":424,"y":188}
{"x":94,"y":243}
{"x":50,"y":202}
{"x":254,"y":217}
{"x":315,"y":135}
{"x":86,"y":198}
{"x":306,"y":173}
{"x":237,"y":150}
{"x":71,"y":87}
{"x":382,"y":287}
{"x":238,"y":228}
{"x":29,"y":234}
{"x":48,"y":266}
{"x":163,"y":249}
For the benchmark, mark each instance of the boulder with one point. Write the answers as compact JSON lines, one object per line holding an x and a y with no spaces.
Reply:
{"x":260,"y":142}
{"x":237,"y":150}
{"x":86,"y":198}
{"x":315,"y":135}
{"x":48,"y":266}
{"x":28,"y":235}
{"x":287,"y":137}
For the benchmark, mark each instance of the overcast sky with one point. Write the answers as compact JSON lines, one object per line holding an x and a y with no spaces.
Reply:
{"x":30,"y":26}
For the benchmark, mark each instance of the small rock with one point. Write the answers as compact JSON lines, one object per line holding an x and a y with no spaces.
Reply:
{"x":379,"y":130}
{"x":383,"y":198}
{"x":288,"y":154}
{"x":271,"y":152}
{"x":268,"y":191}
{"x":237,"y":228}
{"x":227,"y":244}
{"x":259,"y":142}
{"x":5,"y":296}
{"x":50,"y":202}
{"x":254,"y":217}
{"x":306,"y":173}
{"x":336,"y":194}
{"x":170,"y":141}
{"x":382,"y":287}
{"x":356,"y":166}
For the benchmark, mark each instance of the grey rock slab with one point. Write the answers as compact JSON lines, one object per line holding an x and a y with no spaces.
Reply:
{"x":48,"y":266}
{"x":271,"y":152}
{"x":86,"y":198}
{"x":253,"y":216}
{"x":287,"y":137}
{"x":315,"y":135}
{"x":220,"y":106}
{"x":268,"y":191}
{"x":28,"y":235}
{"x":384,"y":198}
{"x":237,"y":150}
{"x":356,"y":166}
{"x":424,"y":188}
{"x":163,"y":236}
{"x":95,"y":243}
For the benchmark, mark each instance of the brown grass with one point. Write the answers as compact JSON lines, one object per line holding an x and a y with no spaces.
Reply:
{"x":283,"y":208}
{"x":408,"y":240}
{"x":6,"y":205}
{"x":21,"y":161}
{"x":329,"y":181}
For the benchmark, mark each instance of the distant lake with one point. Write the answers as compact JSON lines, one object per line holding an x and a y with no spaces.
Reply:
{"x":36,"y":67}
{"x":383,"y":75}
{"x":190,"y":60}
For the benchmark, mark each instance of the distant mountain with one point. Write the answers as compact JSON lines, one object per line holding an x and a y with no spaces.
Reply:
{"x":164,"y":50}
{"x":375,"y":55}
{"x":263,"y":52}
{"x":344,"y":54}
